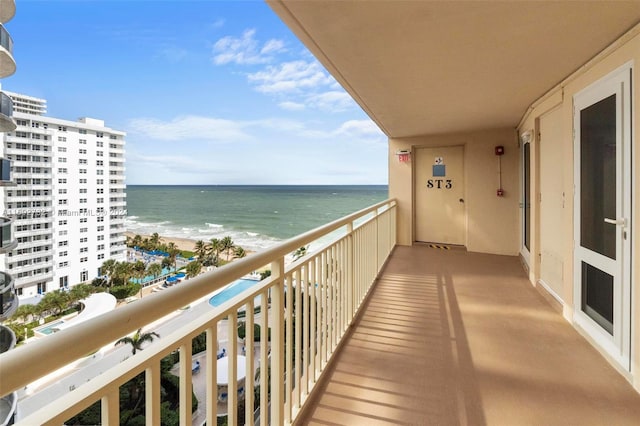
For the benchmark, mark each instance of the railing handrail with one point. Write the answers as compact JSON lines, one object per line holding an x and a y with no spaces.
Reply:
{"x":75,"y":342}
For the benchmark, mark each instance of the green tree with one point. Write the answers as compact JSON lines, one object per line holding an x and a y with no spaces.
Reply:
{"x":239,"y":252}
{"x":194,"y":268}
{"x":301,"y":252}
{"x":173,"y":251}
{"x":138,"y":270}
{"x":55,"y":302}
{"x":79,"y":292}
{"x":154,"y":269}
{"x":107,"y":267}
{"x":214,"y":247}
{"x":138,"y":339}
{"x":24,"y":313}
{"x":200,"y":250}
{"x":265,"y":274}
{"x":226,"y":245}
{"x":154,"y":241}
{"x":136,"y":241}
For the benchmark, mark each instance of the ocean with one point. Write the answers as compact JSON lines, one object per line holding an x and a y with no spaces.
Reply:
{"x":255,"y":217}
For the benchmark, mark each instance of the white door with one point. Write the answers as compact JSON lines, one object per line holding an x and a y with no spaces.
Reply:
{"x":439,"y":193}
{"x":602,"y":213}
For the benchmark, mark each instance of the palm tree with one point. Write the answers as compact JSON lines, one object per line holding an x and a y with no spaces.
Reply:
{"x":201,"y":250}
{"x":194,"y":268}
{"x":155,"y":240}
{"x":137,"y":240}
{"x":226,"y":244}
{"x":108,"y":267}
{"x":155,"y":269}
{"x":122,"y":271}
{"x":173,"y":251}
{"x":239,"y":252}
{"x":301,"y":252}
{"x":137,"y":340}
{"x":214,"y":250}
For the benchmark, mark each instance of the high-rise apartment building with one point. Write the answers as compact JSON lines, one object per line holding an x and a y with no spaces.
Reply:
{"x":69,"y":201}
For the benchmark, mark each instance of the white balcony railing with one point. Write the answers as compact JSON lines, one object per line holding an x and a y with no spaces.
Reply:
{"x":308,"y":307}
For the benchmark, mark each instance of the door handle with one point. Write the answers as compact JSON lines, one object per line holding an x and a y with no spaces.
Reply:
{"x":618,"y":222}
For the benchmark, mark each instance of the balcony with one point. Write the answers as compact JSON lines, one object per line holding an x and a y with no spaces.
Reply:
{"x":6,"y":242}
{"x":404,"y":335}
{"x":7,"y":11}
{"x":8,"y":300}
{"x":7,"y":123}
{"x":7,"y":63}
{"x":5,"y":172}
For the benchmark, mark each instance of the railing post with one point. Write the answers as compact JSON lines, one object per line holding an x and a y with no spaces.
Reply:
{"x":110,"y":405}
{"x":185,"y":383}
{"x":212,"y":374}
{"x":350,"y":272}
{"x":232,"y":384}
{"x":152,"y":395}
{"x":277,"y":343}
{"x":377,"y":242}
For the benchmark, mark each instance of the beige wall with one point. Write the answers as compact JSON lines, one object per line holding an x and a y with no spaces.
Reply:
{"x":625,"y":50}
{"x":492,"y":221}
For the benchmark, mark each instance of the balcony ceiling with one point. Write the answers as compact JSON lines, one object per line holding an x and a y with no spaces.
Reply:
{"x":425,"y":67}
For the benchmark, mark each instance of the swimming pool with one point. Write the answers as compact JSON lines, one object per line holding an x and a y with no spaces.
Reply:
{"x":233,"y":290}
{"x":49,"y":328}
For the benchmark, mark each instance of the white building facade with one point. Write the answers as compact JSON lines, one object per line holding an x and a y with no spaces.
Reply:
{"x":69,"y":202}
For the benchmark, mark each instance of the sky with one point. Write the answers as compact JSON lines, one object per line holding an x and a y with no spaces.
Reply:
{"x":208,"y":92}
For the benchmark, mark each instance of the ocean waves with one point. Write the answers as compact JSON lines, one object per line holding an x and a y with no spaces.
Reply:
{"x":248,"y":240}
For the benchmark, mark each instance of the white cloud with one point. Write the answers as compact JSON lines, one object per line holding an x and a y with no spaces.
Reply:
{"x":218,"y":23}
{"x":245,"y":49}
{"x":291,"y":106}
{"x":290,"y":77}
{"x":190,"y":127}
{"x":332,"y":101}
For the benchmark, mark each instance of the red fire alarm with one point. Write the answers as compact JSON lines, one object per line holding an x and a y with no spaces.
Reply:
{"x":499,"y":150}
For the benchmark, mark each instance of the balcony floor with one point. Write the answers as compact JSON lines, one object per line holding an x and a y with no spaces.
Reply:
{"x":450,"y":337}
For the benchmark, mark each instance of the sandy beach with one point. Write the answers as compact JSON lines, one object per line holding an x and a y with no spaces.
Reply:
{"x":181,"y":243}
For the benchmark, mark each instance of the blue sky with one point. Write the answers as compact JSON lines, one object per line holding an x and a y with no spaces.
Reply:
{"x":209,"y":92}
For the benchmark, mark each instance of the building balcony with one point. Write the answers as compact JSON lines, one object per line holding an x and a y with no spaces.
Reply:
{"x":7,"y":243}
{"x":5,"y":173}
{"x":8,"y":299}
{"x":33,"y":279}
{"x":7,"y":123}
{"x":7,"y":63}
{"x":7,"y":10}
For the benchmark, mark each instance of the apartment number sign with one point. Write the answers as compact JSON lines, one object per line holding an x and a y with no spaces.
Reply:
{"x":439,"y":170}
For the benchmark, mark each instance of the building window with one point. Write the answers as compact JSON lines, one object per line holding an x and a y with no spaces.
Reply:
{"x":62,"y":222}
{"x":101,"y":256}
{"x":82,"y":151}
{"x":62,"y":202}
{"x":83,"y":240}
{"x":62,"y":180}
{"x":63,"y":254}
{"x":99,"y":163}
{"x":83,"y":190}
{"x":62,"y":170}
{"x":63,"y":243}
{"x":99,"y":153}
{"x":84,"y":180}
{"x":62,"y":149}
{"x":84,"y":259}
{"x":84,"y":276}
{"x":63,"y":264}
{"x":84,"y":230}
{"x":82,"y":141}
{"x":82,"y":131}
{"x":82,"y":161}
{"x":42,"y":288}
{"x":62,"y":128}
{"x":84,"y":249}
{"x":83,"y":220}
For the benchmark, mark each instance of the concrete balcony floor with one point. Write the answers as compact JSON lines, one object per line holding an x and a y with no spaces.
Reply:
{"x":457,"y":338}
